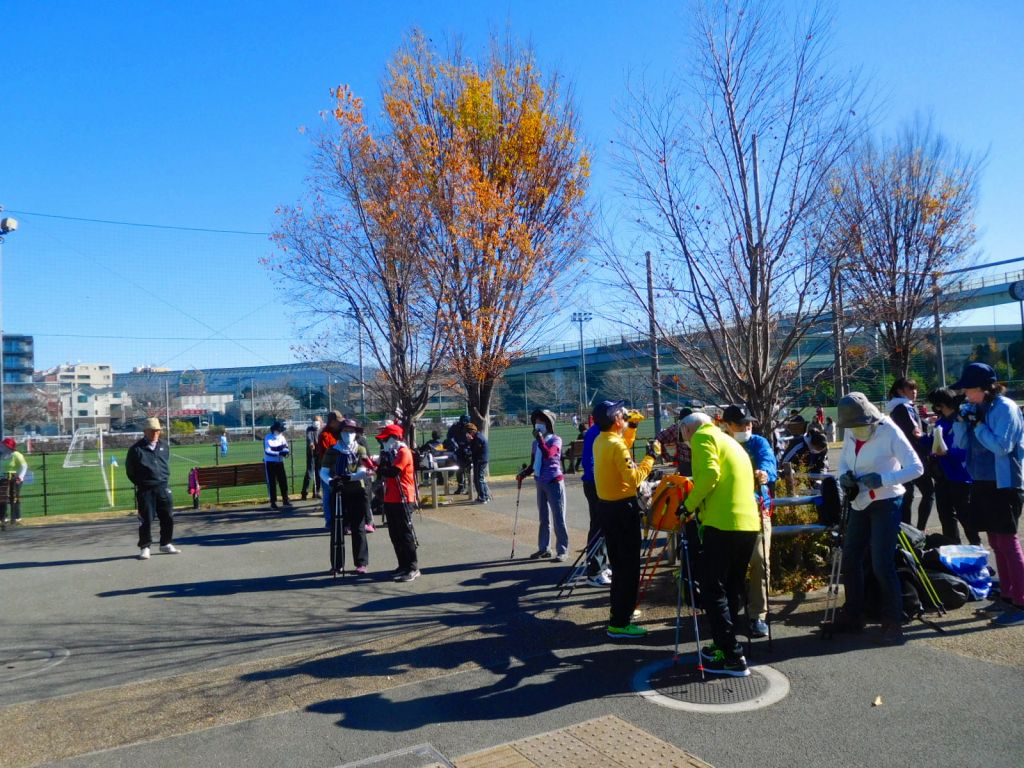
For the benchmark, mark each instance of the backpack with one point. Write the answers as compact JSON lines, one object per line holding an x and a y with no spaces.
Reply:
{"x":830,"y":508}
{"x":952,"y":590}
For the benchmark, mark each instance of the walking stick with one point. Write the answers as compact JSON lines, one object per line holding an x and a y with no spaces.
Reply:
{"x":515,"y":523}
{"x":693,"y":601}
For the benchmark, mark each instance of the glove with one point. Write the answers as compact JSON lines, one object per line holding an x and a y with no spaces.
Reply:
{"x":848,"y":481}
{"x":970,"y":413}
{"x":653,"y":448}
{"x":871,"y":480}
{"x":633,"y":418}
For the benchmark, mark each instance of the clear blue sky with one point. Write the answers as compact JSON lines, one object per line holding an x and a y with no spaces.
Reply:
{"x":188,"y":114}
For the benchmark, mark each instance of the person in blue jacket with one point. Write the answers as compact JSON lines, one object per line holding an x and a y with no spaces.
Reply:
{"x":952,"y":480}
{"x":598,"y":574}
{"x":740,"y":424}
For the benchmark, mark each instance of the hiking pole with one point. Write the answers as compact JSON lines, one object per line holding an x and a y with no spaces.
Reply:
{"x":766,"y":524}
{"x":679,"y":612}
{"x":579,"y":567}
{"x":515,"y":523}
{"x":922,"y":575}
{"x":693,"y":601}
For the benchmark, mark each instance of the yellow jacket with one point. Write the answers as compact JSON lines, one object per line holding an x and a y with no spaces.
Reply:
{"x":723,"y":482}
{"x":616,"y":477}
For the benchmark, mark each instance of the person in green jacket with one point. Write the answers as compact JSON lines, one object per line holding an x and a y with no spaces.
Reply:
{"x":728,"y":520}
{"x":17,"y":469}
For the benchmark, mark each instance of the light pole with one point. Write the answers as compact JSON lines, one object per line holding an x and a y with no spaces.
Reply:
{"x":581,"y":318}
{"x":7,"y":225}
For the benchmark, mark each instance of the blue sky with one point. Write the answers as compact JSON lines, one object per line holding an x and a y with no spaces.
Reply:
{"x":188,"y":114}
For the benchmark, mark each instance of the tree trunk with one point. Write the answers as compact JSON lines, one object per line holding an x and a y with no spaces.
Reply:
{"x":478,"y":398}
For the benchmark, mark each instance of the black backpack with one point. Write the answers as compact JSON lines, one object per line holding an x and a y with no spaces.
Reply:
{"x":830,"y":510}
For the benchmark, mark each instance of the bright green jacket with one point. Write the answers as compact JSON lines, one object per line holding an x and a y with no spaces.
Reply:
{"x":723,"y":482}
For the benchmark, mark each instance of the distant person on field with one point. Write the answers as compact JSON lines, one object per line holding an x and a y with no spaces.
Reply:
{"x":224,"y":443}
{"x":275,"y":450}
{"x":17,"y":470}
{"x":147,"y":468}
{"x":312,"y":477}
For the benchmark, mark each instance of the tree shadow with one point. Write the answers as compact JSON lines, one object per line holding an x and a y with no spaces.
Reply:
{"x":51,"y":563}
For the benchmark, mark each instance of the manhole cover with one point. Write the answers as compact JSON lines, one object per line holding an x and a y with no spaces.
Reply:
{"x":17,"y":662}
{"x":680,"y":686}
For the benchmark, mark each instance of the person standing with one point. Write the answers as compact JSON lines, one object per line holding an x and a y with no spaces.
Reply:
{"x":598,"y":572}
{"x":224,"y":442}
{"x":147,"y":469}
{"x":546,"y":468}
{"x":876,"y":461}
{"x":673,"y":448}
{"x":312,"y":476}
{"x":740,"y":424}
{"x":328,"y":437}
{"x":478,"y":450}
{"x":456,"y":442}
{"x":617,"y":479}
{"x":904,"y":413}
{"x":991,"y":430}
{"x":728,"y":520}
{"x":396,"y":467}
{"x":952,"y":480}
{"x":275,"y":449}
{"x":17,"y":470}
{"x":346,"y":466}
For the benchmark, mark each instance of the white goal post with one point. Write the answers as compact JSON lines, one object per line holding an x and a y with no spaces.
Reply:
{"x":86,"y":450}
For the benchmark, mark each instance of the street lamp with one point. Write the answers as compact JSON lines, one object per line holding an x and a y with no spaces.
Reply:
{"x":581,"y":318}
{"x":7,"y":225}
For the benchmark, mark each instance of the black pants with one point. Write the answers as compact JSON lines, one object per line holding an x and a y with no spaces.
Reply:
{"x":276,"y":476}
{"x":150,"y":503}
{"x":312,"y":476}
{"x":13,"y":499}
{"x":353,"y":516}
{"x":620,"y":521}
{"x":403,"y":536}
{"x":599,"y":561}
{"x":723,"y":572}
{"x":924,"y":507}
{"x":952,"y":501}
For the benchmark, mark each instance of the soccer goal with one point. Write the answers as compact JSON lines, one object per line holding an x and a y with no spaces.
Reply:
{"x":86,"y":450}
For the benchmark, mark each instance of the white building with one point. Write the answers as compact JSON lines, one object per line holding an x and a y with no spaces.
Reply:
{"x":91,"y":407}
{"x":98,"y":375}
{"x":210,"y":402}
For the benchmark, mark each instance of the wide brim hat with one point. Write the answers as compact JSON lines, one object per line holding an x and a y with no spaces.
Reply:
{"x":153,"y":423}
{"x":976,"y":375}
{"x":545,"y":415}
{"x":391,"y":430}
{"x":855,"y":410}
{"x":351,"y":424}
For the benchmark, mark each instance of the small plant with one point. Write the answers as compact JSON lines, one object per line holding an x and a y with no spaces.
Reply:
{"x":183,"y":428}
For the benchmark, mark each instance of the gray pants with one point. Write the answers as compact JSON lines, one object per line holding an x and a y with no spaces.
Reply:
{"x":551,"y":506}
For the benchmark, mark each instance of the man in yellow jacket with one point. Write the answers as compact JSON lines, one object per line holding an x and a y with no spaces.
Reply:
{"x":616,"y":479}
{"x":728,"y":519}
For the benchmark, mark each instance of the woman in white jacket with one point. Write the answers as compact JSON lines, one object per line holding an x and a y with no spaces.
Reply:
{"x":876,"y":460}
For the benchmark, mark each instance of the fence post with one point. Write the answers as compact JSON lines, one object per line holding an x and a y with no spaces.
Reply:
{"x":46,"y":508}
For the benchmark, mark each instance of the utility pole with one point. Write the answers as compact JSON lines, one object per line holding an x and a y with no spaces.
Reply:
{"x":581,"y":318}
{"x":838,"y":341}
{"x":652,"y":329}
{"x":939,"y":351}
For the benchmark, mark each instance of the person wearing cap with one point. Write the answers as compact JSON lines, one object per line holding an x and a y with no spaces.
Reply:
{"x":17,"y":470}
{"x":952,"y":480}
{"x":809,"y":452}
{"x":479,"y":452}
{"x":456,"y":442}
{"x":328,"y":437}
{"x":546,"y":467}
{"x":395,"y":465}
{"x":147,"y":468}
{"x":740,"y":424}
{"x":598,"y":572}
{"x":990,"y":428}
{"x":728,"y":521}
{"x":875,"y":462}
{"x":617,"y":479}
{"x":275,"y":449}
{"x":905,"y":415}
{"x":346,"y":466}
{"x":312,"y":476}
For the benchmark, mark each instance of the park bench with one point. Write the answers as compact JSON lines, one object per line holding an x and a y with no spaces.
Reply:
{"x":571,"y":455}
{"x":225,"y":476}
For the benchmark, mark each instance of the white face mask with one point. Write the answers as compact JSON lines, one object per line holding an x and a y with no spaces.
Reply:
{"x":742,"y":437}
{"x":540,"y":428}
{"x":863,"y":433}
{"x":348,"y":438}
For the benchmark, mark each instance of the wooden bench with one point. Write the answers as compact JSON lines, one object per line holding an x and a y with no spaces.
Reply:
{"x":571,"y":455}
{"x":226,"y":476}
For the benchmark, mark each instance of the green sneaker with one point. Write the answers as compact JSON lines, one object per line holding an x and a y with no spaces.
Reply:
{"x":626,"y":632}
{"x":722,"y":665}
{"x":707,"y":653}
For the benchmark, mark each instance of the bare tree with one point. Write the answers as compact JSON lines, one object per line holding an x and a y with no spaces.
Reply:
{"x":908,"y":207}
{"x":734,"y":193}
{"x":554,"y":390}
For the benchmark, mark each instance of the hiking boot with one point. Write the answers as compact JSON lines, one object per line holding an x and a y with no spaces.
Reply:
{"x":720,"y":664}
{"x":409,"y":575}
{"x":1011,"y":617}
{"x":540,"y":554}
{"x":891,"y":634}
{"x":143,"y":553}
{"x":630,"y":631}
{"x":169,"y":549}
{"x":758,"y":628}
{"x":600,"y":580}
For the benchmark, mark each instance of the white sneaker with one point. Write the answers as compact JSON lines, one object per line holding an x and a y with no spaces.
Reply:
{"x":144,"y":553}
{"x":601,"y":580}
{"x":169,"y":549}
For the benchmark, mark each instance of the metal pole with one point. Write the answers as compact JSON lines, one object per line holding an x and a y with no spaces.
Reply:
{"x":583,"y":369}
{"x":655,"y":368}
{"x":839,"y":342}
{"x":939,"y":351}
{"x":252,"y":400}
{"x":167,"y":404}
{"x":3,"y":345}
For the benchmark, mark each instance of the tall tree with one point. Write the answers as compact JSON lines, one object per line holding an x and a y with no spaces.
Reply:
{"x":730,"y":176}
{"x":909,"y":208}
{"x":493,"y":152}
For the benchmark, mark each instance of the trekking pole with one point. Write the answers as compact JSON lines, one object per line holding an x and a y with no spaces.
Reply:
{"x":693,"y":601}
{"x":579,"y":567}
{"x":922,"y":575}
{"x":515,"y":523}
{"x":766,"y":526}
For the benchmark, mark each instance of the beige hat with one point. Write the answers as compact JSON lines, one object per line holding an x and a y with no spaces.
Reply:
{"x":153,"y":423}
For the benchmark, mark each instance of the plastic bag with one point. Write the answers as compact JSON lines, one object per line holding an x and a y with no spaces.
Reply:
{"x":938,"y":443}
{"x":970,"y":563}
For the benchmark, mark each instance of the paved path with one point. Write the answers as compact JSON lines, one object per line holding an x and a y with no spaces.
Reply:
{"x":241,"y":651}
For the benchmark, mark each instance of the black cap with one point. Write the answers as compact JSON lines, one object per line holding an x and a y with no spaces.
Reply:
{"x":737,"y":414}
{"x":604,"y":411}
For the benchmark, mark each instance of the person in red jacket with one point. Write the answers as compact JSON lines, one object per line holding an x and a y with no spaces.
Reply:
{"x":395,"y":465}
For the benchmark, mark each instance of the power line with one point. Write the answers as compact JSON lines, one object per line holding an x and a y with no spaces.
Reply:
{"x":161,"y":338}
{"x":138,"y":224}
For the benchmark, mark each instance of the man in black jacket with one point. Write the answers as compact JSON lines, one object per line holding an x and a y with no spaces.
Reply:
{"x":146,"y":466}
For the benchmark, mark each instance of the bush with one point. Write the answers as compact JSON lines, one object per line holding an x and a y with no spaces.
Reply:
{"x":183,"y":428}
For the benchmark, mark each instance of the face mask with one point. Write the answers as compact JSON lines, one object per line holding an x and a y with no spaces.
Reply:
{"x":742,"y":437}
{"x":863,"y":433}
{"x":348,"y":438}
{"x":391,"y":443}
{"x":540,"y":428}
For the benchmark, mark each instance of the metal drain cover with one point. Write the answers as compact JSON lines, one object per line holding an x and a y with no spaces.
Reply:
{"x":18,"y":661}
{"x":678,"y":685}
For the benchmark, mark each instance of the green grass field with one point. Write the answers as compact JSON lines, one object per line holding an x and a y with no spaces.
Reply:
{"x":59,"y":491}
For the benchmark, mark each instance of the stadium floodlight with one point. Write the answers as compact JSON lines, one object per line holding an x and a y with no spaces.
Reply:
{"x":8,"y":225}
